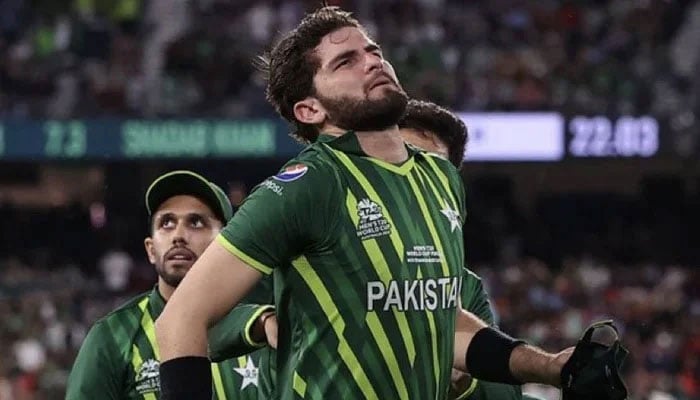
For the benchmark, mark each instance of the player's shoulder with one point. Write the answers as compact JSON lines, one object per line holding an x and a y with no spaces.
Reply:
{"x":437,"y":160}
{"x":125,"y":313}
{"x":312,"y":165}
{"x":317,"y":157}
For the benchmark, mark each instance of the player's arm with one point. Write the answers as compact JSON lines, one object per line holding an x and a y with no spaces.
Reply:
{"x":476,"y":301}
{"x":489,"y":354}
{"x":216,"y":282}
{"x":95,"y":373}
{"x":485,"y":353}
{"x":243,"y":330}
{"x":277,"y":222}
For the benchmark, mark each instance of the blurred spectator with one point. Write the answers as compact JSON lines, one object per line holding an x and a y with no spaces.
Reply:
{"x":116,"y":265}
{"x":237,"y":192}
{"x":122,"y":57}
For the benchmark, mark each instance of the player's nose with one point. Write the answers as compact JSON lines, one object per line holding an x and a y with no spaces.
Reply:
{"x":180,"y":234}
{"x":373,"y":62}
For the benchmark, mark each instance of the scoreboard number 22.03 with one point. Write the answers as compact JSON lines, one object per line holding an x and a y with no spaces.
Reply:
{"x":600,"y":136}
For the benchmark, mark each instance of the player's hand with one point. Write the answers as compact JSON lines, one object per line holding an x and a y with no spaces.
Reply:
{"x":264,"y":329}
{"x":270,"y":328}
{"x":560,"y":359}
{"x":460,"y":382}
{"x":593,"y":370}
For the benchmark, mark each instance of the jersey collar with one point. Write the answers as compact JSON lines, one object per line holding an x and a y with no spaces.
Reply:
{"x":348,"y":143}
{"x":156,"y":302}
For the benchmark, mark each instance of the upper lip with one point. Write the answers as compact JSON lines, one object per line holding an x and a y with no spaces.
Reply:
{"x":183,"y":252}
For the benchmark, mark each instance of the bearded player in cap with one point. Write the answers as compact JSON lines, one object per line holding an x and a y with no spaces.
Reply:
{"x":119,"y":358}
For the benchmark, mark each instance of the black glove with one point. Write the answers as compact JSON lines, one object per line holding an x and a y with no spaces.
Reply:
{"x":593,"y":371}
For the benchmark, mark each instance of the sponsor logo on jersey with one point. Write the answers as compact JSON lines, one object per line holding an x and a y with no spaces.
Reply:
{"x":148,"y":377}
{"x":372,"y":223}
{"x":272,"y":186}
{"x":249,"y":374}
{"x":291,"y":173}
{"x":414,"y":295}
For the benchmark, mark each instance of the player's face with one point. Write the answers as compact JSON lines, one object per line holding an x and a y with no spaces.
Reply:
{"x":352,"y":84}
{"x":391,"y":72}
{"x":183,"y":227}
{"x":426,"y":140}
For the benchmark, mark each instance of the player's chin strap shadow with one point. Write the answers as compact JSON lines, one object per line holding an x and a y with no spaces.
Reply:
{"x":593,"y":371}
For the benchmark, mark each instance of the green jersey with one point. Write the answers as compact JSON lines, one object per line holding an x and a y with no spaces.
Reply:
{"x":235,"y":340}
{"x":119,"y":358}
{"x":368,"y":260}
{"x":474,"y":299}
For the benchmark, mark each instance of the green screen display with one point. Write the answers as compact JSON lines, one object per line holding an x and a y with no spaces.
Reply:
{"x":143,"y":139}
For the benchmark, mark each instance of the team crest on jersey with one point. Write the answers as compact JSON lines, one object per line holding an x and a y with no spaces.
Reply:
{"x":249,"y":373}
{"x":452,"y":216}
{"x":291,"y":173}
{"x":372,"y":222}
{"x":148,"y":377}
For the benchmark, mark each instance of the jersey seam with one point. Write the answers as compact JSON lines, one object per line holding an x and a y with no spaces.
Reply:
{"x":247,"y":259}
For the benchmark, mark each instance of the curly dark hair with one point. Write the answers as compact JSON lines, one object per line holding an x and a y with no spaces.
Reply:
{"x":292,"y":63}
{"x":427,"y":116}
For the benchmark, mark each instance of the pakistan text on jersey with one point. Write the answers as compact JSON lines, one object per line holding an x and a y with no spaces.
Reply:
{"x":411,"y":295}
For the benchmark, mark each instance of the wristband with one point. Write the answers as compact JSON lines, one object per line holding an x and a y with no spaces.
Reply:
{"x":488,"y":356}
{"x":186,"y":378}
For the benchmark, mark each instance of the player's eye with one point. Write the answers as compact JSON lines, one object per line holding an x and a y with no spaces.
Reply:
{"x":167,"y":222}
{"x":343,"y":63}
{"x":197,"y":222}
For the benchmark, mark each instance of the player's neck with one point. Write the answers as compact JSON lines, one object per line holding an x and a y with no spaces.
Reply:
{"x":165,"y":290}
{"x":386,"y":145}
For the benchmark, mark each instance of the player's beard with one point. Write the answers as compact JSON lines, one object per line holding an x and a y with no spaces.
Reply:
{"x":365,"y":114}
{"x":172,"y":278}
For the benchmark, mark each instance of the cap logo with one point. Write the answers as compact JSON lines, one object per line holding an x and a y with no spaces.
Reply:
{"x":291,"y":173}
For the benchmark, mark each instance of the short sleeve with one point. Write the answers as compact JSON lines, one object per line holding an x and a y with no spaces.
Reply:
{"x":231,"y":336}
{"x":474,"y":297}
{"x":285,"y":216}
{"x":95,"y":373}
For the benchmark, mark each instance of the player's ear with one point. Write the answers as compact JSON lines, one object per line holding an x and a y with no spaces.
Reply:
{"x":440,"y":146}
{"x":148,"y":244}
{"x":309,"y":111}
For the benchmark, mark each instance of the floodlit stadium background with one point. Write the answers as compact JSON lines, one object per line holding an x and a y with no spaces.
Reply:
{"x":582,"y":172}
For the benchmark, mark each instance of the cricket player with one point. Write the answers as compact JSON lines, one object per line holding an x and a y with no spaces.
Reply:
{"x":119,"y":358}
{"x":364,"y":236}
{"x":435,"y":129}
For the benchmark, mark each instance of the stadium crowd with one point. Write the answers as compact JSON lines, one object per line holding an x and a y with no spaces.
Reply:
{"x":130,"y":57}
